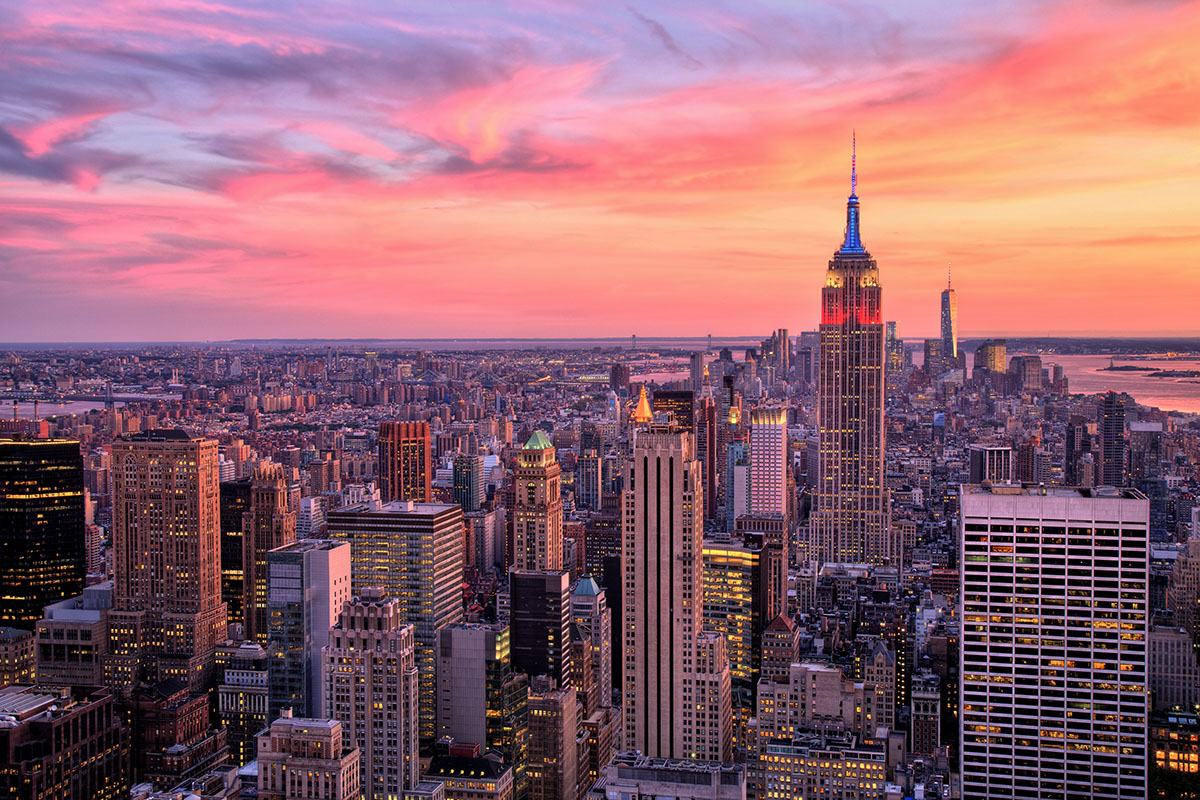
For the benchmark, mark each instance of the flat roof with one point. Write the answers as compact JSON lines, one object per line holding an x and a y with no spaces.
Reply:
{"x":1037,"y":490}
{"x":397,"y":507}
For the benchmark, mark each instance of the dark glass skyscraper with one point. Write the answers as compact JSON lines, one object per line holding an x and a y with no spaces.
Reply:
{"x":851,"y":518}
{"x":41,"y":527}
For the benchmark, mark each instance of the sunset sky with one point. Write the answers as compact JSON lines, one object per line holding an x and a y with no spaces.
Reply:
{"x":192,"y":170}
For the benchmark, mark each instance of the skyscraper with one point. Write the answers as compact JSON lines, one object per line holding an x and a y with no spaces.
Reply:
{"x":679,"y":405}
{"x":663,"y":529}
{"x":696,"y":368}
{"x":269,"y":524}
{"x":850,"y":522}
{"x":538,"y":516}
{"x":167,"y":615}
{"x":369,"y":674}
{"x":949,"y":323}
{"x":769,"y":467}
{"x":41,"y":527}
{"x":308,"y":584}
{"x":1112,"y":441}
{"x":415,"y":552}
{"x":405,"y":470}
{"x":540,"y":620}
{"x":1054,"y":642}
{"x":553,"y":726}
{"x":468,"y":482}
{"x":307,"y":759}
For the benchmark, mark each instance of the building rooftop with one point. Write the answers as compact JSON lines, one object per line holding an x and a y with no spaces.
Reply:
{"x":398,"y":507}
{"x":1039,"y":490}
{"x":538,"y":442}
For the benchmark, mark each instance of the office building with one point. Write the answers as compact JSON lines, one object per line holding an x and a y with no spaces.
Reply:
{"x":696,"y":370}
{"x":926,"y":717}
{"x":538,"y":514}
{"x":41,"y":527}
{"x":480,"y":699}
{"x":592,"y":616}
{"x":269,"y":524}
{"x":1054,"y":652}
{"x":308,"y":584}
{"x":992,"y":355}
{"x":636,"y":776}
{"x":167,"y":615}
{"x":62,"y":743}
{"x":990,"y":462}
{"x":812,"y":765}
{"x":678,"y":406}
{"x":553,"y":727}
{"x":588,"y":480}
{"x":662,"y":510}
{"x":405,"y":465}
{"x":850,"y":518}
{"x":1174,"y":673}
{"x":370,"y":683}
{"x":414,"y":552}
{"x":73,"y":641}
{"x":468,"y":482}
{"x":242,"y":698}
{"x":18,"y":657}
{"x":1113,"y":446}
{"x":770,"y":467}
{"x":540,"y":622}
{"x":307,"y":759}
{"x":236,"y":495}
{"x":950,"y":323}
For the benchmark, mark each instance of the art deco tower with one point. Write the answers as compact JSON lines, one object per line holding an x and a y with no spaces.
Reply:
{"x":851,"y":518}
{"x":538,"y":517}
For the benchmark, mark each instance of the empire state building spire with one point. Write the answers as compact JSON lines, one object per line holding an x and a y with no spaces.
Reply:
{"x":852,"y":243}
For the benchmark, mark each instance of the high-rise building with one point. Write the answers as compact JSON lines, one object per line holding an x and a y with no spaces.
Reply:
{"x":850,"y":520}
{"x":405,"y":465}
{"x":1113,"y":448}
{"x":926,"y":717}
{"x":62,"y":742}
{"x":269,"y":524}
{"x":307,"y":759}
{"x":990,"y":462}
{"x":236,"y":497}
{"x":414,"y":552}
{"x":167,"y":616}
{"x":308,"y":584}
{"x":540,"y":621}
{"x":538,"y":516}
{"x":769,"y":463}
{"x":242,"y":698}
{"x":696,"y":370}
{"x":589,"y":475}
{"x":370,"y":684}
{"x":553,"y":756}
{"x":679,"y":406}
{"x":171,"y":739}
{"x":662,"y":561}
{"x":73,"y":640}
{"x":480,"y":699}
{"x":591,"y":614}
{"x":1054,"y":611}
{"x":949,"y":323}
{"x":992,"y":355}
{"x":41,"y":527}
{"x":468,"y":482}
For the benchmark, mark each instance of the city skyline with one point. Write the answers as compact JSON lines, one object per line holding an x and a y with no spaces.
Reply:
{"x":205,"y":172}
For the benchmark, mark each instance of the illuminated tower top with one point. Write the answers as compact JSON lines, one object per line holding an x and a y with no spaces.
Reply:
{"x":852,"y":243}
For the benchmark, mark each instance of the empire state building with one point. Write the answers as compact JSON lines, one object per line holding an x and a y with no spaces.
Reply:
{"x":851,"y":518}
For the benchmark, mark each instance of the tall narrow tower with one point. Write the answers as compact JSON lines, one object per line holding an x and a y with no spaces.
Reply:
{"x":949,"y":322}
{"x":267,"y":525}
{"x":851,"y":518}
{"x":538,"y":517}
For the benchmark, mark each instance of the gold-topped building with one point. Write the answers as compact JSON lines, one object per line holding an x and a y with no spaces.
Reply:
{"x":538,"y":516}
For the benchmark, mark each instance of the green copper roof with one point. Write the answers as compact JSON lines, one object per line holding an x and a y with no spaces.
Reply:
{"x":587,"y":587}
{"x":538,"y":442}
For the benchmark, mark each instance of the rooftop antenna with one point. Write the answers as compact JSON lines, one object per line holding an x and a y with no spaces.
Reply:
{"x":948,"y":264}
{"x":853,"y":161}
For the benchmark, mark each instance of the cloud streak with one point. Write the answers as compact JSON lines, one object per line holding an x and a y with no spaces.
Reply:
{"x":425,"y":170}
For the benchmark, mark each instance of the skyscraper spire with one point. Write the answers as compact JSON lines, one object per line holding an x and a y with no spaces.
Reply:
{"x":948,"y":265}
{"x":852,"y":244}
{"x":853,"y":163}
